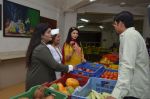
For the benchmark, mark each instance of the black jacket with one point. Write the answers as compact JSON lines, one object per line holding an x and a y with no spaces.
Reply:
{"x":43,"y":67}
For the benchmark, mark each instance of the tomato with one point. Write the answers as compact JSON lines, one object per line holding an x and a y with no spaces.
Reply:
{"x":114,"y":78}
{"x":102,"y":76}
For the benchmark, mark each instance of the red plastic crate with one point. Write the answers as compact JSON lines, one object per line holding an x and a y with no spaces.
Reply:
{"x":82,"y":80}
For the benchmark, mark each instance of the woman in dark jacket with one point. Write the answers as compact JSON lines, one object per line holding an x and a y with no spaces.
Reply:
{"x":40,"y":63}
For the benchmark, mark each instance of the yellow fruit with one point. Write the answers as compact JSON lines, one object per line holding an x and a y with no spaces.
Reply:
{"x":60,"y":87}
{"x":72,"y":82}
{"x":65,"y":92}
{"x":113,"y":66}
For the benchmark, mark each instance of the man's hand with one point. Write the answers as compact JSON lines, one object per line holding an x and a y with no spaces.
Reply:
{"x":110,"y":97}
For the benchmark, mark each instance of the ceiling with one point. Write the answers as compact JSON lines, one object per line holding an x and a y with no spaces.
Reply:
{"x":103,"y":19}
{"x":76,"y":4}
{"x":96,"y":18}
{"x":129,"y":3}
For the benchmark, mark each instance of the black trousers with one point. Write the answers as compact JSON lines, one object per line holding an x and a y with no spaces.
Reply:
{"x":130,"y":97}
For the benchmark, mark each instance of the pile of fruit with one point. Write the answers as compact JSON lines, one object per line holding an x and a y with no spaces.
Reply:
{"x":105,"y":61}
{"x":113,"y":66}
{"x":112,"y":57}
{"x":85,"y":69}
{"x":110,"y":75}
{"x":95,"y":95}
{"x":39,"y":94}
{"x":69,"y":87}
{"x":109,"y":59}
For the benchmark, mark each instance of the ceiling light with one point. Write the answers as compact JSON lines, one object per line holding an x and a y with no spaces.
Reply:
{"x":122,"y":3}
{"x":92,"y":0}
{"x":85,"y":20}
{"x":81,"y":26}
{"x":101,"y":27}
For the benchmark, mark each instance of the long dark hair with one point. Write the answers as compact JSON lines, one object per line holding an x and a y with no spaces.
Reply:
{"x":69,"y":38}
{"x":35,"y":41}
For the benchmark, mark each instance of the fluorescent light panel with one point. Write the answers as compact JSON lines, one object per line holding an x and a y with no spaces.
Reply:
{"x":92,"y":0}
{"x":81,"y":26}
{"x":101,"y":27}
{"x":123,"y":3}
{"x":84,"y":20}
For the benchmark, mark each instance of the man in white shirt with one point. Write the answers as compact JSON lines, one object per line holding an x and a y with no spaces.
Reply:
{"x":134,"y":70}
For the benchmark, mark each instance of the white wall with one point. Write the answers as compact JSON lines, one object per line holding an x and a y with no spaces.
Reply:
{"x":20,"y":44}
{"x":11,"y":44}
{"x":13,"y":71}
{"x":70,"y":21}
{"x":61,"y":25}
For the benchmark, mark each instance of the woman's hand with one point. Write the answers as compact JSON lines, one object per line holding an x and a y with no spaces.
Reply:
{"x":83,"y":60}
{"x":72,"y":43}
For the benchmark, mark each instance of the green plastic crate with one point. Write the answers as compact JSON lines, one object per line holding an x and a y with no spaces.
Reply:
{"x":30,"y":93}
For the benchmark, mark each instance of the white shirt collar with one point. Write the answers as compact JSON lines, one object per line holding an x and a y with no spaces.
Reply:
{"x":128,"y":29}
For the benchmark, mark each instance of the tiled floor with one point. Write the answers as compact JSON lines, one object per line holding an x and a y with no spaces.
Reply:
{"x":6,"y":93}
